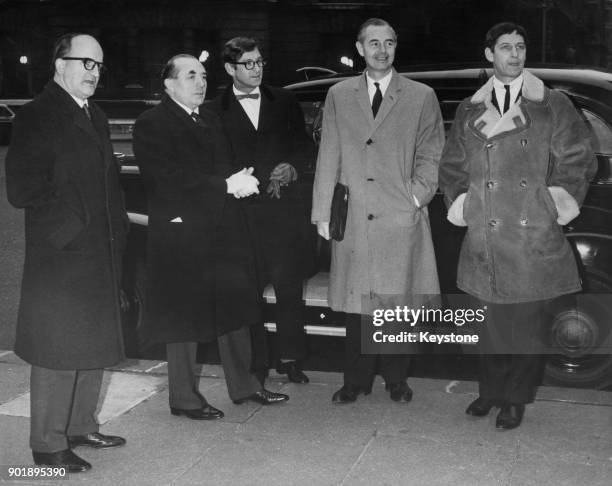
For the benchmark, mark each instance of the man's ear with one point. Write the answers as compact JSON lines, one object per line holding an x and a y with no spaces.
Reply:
{"x":60,"y":65}
{"x":230,"y":69}
{"x":168,"y":84}
{"x":359,"y":48}
{"x":489,"y":54}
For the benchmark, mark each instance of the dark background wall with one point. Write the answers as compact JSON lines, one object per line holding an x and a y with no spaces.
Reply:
{"x":138,"y":36}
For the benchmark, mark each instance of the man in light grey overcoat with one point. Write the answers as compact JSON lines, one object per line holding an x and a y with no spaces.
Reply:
{"x":382,"y":137}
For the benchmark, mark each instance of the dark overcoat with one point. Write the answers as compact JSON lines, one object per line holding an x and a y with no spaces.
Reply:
{"x":514,"y":180}
{"x":60,"y":168}
{"x":201,"y":279}
{"x":385,"y":161}
{"x":280,"y":226}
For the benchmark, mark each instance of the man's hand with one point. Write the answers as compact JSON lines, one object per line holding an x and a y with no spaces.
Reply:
{"x":323,"y":229}
{"x":242,"y":183}
{"x":283,"y":174}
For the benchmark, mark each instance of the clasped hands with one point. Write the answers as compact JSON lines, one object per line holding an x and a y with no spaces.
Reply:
{"x":283,"y":174}
{"x":242,"y":183}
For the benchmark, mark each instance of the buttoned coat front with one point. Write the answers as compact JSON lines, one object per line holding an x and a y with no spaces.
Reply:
{"x":524,"y":175}
{"x":60,"y":168}
{"x":201,"y":280}
{"x":385,"y":161}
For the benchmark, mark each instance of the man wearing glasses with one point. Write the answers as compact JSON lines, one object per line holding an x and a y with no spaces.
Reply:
{"x":265,"y":127}
{"x":60,"y":168}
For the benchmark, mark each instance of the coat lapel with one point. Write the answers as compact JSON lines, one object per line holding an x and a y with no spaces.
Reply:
{"x":198,"y":131}
{"x":488,"y":123}
{"x":71,"y":109}
{"x":361,"y":91}
{"x":389,"y":99}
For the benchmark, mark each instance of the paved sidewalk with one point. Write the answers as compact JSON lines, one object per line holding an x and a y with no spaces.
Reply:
{"x":565,"y":439}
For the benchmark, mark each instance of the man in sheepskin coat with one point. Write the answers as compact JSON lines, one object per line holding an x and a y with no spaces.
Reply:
{"x":515,"y":169}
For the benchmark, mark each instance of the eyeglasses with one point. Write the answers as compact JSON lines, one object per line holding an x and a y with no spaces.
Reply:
{"x":88,"y":63}
{"x":250,"y":64}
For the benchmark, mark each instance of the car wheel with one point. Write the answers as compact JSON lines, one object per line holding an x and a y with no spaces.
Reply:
{"x":583,"y":334}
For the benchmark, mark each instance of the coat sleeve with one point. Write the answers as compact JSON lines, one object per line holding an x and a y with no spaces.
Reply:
{"x":454,"y":166}
{"x":572,"y":164}
{"x":160,"y":160}
{"x":328,"y":163}
{"x":31,"y":182}
{"x":429,"y":144}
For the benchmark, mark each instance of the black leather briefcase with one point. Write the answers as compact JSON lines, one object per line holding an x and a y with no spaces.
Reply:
{"x":339,"y":211}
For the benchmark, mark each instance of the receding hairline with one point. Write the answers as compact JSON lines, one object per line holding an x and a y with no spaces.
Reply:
{"x":171,"y":69}
{"x":374,"y":22}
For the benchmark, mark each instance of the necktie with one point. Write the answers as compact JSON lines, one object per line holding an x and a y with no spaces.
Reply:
{"x":86,"y":110}
{"x":252,"y":96}
{"x":376,"y":100}
{"x":197,"y":118}
{"x":506,"y":98}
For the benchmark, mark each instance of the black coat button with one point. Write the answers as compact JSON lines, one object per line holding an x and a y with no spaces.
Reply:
{"x":369,"y":141}
{"x":523,"y":183}
{"x":490,"y":184}
{"x":370,"y":217}
{"x":493,"y":223}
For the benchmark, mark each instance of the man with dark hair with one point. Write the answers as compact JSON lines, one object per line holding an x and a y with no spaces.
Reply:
{"x":60,"y":168}
{"x":382,"y":137}
{"x":201,"y":281}
{"x":515,"y":169}
{"x":265,"y":128}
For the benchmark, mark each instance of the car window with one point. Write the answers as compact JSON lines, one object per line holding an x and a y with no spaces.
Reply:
{"x":601,"y":133}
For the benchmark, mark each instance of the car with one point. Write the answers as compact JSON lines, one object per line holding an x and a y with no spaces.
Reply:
{"x":583,"y":336}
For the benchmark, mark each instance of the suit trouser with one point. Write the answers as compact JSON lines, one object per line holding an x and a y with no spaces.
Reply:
{"x":510,"y":363}
{"x":360,"y":369}
{"x":62,"y":403}
{"x":183,"y":378}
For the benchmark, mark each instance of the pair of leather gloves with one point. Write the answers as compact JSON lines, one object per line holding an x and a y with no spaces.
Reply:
{"x":282,"y":175}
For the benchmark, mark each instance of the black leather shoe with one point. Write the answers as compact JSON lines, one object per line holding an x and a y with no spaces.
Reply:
{"x":96,"y":440}
{"x":293,"y":370}
{"x":65,"y":458}
{"x":264,"y":397}
{"x":510,"y":416}
{"x":207,"y":412}
{"x":480,"y":407}
{"x":399,"y":392}
{"x":349,"y":393}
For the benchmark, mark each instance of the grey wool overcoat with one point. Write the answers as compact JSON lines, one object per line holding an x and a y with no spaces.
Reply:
{"x":387,"y":247}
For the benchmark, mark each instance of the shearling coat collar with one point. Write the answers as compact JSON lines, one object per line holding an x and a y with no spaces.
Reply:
{"x":490,"y":123}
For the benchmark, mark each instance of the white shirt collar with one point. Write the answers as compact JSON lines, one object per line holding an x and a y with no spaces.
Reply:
{"x":238,"y":92}
{"x":383,"y":84}
{"x":500,"y":92}
{"x":79,"y":101}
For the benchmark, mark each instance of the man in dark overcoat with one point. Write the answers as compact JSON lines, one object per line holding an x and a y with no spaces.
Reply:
{"x":265,"y":128}
{"x":201,"y":280}
{"x":60,"y":168}
{"x":515,"y":169}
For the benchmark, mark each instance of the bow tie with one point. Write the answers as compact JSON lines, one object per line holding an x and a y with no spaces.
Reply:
{"x":252,"y":96}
